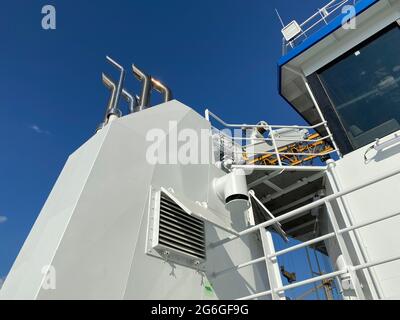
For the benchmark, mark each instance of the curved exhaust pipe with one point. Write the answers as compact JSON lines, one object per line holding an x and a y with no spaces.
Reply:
{"x":114,"y":110}
{"x":110,"y":85}
{"x":146,"y":79}
{"x":162,"y":88}
{"x":135,"y":103}
{"x":132,"y":101}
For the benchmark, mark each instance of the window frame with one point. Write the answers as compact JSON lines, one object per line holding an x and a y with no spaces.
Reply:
{"x":325,"y":103}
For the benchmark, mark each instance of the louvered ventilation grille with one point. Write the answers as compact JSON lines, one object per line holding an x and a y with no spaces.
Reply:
{"x":180,"y":231}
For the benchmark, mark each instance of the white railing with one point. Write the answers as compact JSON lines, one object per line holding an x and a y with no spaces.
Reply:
{"x":241,"y":143}
{"x":314,"y":23}
{"x":337,"y":233}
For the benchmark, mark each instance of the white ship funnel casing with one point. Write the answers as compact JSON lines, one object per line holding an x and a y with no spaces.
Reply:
{"x":91,"y":235}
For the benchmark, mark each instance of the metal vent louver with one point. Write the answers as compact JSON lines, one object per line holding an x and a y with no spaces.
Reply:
{"x":176,"y":234}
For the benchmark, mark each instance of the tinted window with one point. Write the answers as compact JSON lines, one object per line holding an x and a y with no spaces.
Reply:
{"x":364,"y":88}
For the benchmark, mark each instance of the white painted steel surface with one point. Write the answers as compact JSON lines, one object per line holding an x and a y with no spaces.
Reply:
{"x":93,"y":227}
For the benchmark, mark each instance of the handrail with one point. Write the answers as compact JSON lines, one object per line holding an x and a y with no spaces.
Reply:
{"x":305,"y":147}
{"x":337,"y":233}
{"x":279,"y":139}
{"x":323,"y":277}
{"x":252,"y":167}
{"x":291,"y":153}
{"x":307,"y":207}
{"x":306,"y":244}
{"x":321,"y":16}
{"x":208,"y":113}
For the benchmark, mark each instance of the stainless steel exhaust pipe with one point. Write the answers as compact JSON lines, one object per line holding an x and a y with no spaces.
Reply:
{"x":132,"y":101}
{"x":113,"y":88}
{"x":162,"y":88}
{"x":110,"y":85}
{"x":114,"y":108}
{"x":146,"y":79}
{"x":135,"y":103}
{"x":111,"y":109}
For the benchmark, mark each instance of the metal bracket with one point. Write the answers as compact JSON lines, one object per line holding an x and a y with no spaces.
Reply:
{"x":277,"y":226}
{"x":383,"y":145}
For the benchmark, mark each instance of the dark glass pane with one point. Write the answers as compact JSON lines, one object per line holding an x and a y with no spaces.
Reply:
{"x":364,"y":88}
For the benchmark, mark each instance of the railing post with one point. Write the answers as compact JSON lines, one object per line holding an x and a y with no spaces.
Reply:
{"x":314,"y":100}
{"x":323,"y":15}
{"x":348,"y":221}
{"x":274,"y":276}
{"x":207,"y":115}
{"x":283,"y":46}
{"x":344,"y":251}
{"x":272,"y":133}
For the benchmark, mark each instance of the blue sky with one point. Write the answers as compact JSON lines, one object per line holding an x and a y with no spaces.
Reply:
{"x":220,"y":54}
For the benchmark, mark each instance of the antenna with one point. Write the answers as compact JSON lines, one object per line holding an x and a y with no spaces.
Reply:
{"x":279,"y":17}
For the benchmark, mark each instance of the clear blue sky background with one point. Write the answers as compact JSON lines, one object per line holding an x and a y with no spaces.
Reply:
{"x":220,"y":54}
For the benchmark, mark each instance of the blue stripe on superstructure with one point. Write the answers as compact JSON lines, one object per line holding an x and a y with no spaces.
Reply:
{"x":324,"y":32}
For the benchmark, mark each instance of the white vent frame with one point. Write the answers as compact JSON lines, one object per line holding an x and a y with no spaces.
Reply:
{"x":156,"y":248}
